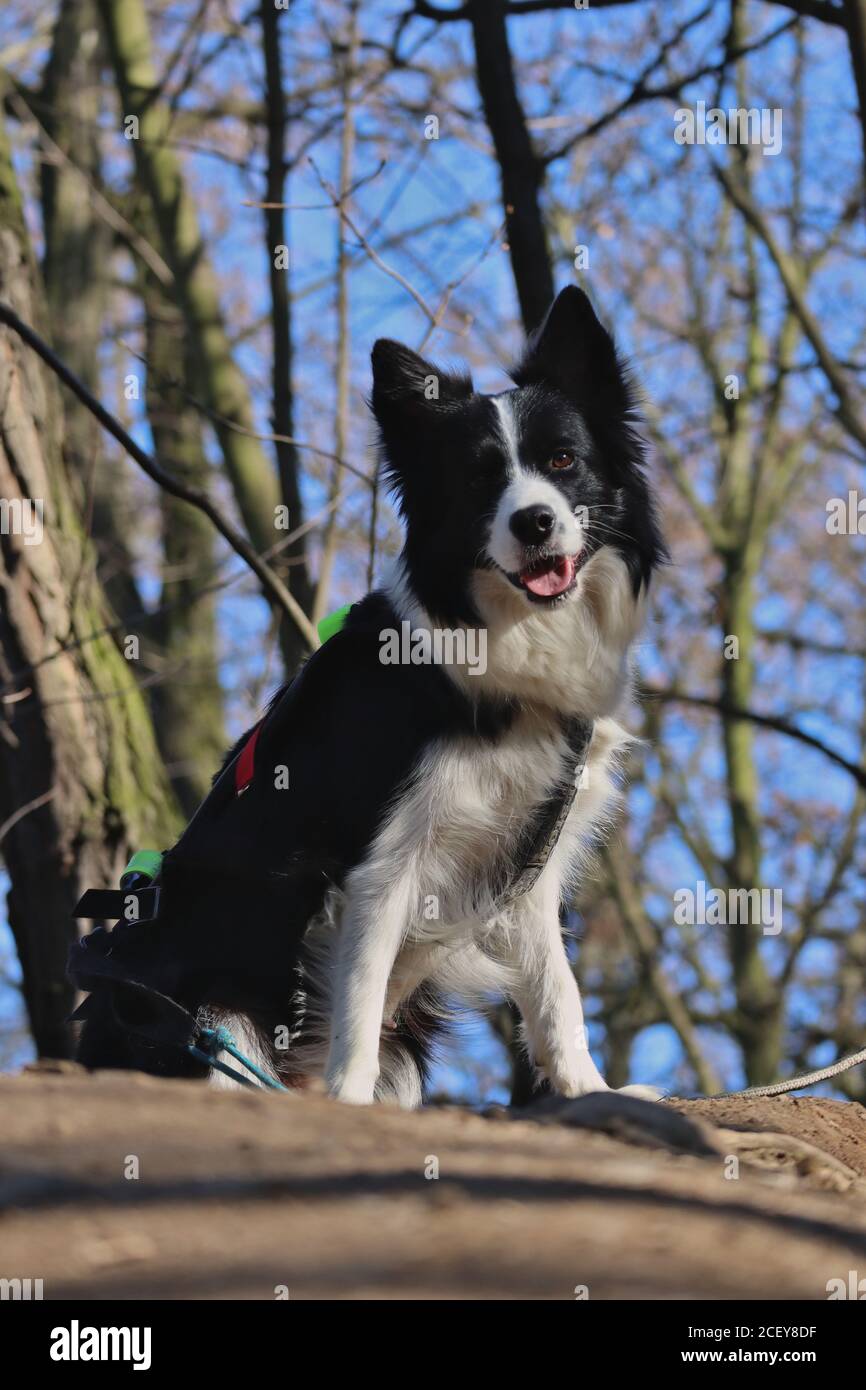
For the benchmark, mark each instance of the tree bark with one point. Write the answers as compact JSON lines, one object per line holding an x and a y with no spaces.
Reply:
{"x":75,"y":727}
{"x":187,"y":700}
{"x":77,"y":259}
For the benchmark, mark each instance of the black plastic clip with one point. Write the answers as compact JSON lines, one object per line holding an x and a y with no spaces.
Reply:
{"x":115,"y":904}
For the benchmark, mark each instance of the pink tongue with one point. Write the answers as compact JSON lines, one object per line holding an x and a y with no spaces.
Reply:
{"x":547,"y":583}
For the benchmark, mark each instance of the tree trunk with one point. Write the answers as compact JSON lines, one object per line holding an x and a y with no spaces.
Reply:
{"x":282,"y":417}
{"x":77,"y":260}
{"x":521,"y":171}
{"x":219,"y":380}
{"x":187,"y":701}
{"x":341,"y":412}
{"x":855,"y":15}
{"x":75,"y":732}
{"x":758,"y":1020}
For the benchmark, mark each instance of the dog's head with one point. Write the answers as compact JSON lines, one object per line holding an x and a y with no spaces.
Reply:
{"x":529,"y":484}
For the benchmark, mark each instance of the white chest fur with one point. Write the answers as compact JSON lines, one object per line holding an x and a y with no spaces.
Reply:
{"x":470,"y":802}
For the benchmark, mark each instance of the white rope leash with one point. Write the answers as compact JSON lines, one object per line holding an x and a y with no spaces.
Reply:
{"x":799,"y":1083}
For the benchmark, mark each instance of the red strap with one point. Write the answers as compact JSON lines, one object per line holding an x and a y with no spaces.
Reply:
{"x":246,"y":762}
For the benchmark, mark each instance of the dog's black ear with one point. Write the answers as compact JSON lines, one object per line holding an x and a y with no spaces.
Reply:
{"x":574,"y":353}
{"x":407,"y":387}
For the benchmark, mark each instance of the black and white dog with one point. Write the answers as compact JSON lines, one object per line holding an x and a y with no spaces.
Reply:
{"x":352,"y":887}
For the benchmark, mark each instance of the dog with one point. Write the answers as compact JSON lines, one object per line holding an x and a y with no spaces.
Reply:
{"x":335,"y":906}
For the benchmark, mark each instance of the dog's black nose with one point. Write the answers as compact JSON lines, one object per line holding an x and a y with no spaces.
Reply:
{"x":532,"y":525}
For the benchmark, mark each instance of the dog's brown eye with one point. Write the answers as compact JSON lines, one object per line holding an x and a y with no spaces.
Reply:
{"x":562,"y":459}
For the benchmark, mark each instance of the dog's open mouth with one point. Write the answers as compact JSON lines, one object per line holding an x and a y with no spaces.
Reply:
{"x":550,"y":577}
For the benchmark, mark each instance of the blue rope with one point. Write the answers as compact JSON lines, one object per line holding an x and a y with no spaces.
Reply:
{"x":219,"y":1040}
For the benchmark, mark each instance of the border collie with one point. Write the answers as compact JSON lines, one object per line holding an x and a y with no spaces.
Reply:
{"x":339,"y":906}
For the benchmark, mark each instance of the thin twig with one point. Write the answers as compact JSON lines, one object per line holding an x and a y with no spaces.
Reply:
{"x":25,"y":811}
{"x":265,"y":437}
{"x":454,"y":285}
{"x":371,"y":252}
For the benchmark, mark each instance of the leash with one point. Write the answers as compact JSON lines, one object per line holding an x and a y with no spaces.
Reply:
{"x":217,"y":1040}
{"x":799,"y":1083}
{"x":542,"y":835}
{"x":159,"y":1020}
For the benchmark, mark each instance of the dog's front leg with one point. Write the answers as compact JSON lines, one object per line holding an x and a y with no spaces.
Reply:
{"x":371,"y":931}
{"x":547,"y":993}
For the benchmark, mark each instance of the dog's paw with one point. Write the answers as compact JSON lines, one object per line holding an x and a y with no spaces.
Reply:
{"x":349,"y":1095}
{"x":573,"y":1089}
{"x":353,"y":1090}
{"x":641,"y":1092}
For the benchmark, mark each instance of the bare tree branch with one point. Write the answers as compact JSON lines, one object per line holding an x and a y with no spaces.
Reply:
{"x":388,"y":270}
{"x":640,"y":92}
{"x":791,"y":277}
{"x":23,"y":811}
{"x":765,"y":721}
